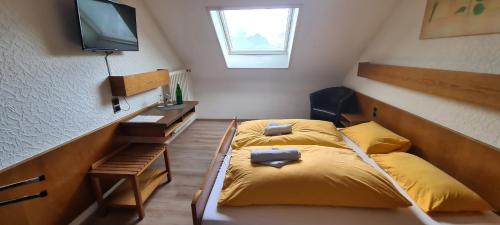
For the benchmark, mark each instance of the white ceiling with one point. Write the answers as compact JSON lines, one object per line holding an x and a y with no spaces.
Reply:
{"x":330,"y":36}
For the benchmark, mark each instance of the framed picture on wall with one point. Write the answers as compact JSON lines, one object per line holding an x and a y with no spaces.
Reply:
{"x":451,"y":18}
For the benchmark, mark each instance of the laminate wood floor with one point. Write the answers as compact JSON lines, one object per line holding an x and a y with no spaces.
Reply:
{"x":190,"y":154}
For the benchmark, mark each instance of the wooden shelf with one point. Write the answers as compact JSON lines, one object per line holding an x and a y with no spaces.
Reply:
{"x":138,"y":83}
{"x":149,"y":180}
{"x":163,"y":128}
{"x":134,"y":159}
{"x":130,"y":163}
{"x":172,"y":128}
{"x":477,"y":88}
{"x":187,"y":116}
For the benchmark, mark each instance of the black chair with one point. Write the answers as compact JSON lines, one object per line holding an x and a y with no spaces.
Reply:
{"x":329,"y":103}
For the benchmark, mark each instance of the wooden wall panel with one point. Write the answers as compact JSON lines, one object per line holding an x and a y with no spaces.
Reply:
{"x":65,"y":168}
{"x":138,"y":83}
{"x":478,"y":88}
{"x":475,"y":164}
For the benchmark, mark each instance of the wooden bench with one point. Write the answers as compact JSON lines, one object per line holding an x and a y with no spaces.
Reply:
{"x":131,"y":163}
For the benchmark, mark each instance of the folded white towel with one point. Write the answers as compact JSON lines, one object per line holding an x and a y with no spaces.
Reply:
{"x":274,"y":129}
{"x":257,"y":156}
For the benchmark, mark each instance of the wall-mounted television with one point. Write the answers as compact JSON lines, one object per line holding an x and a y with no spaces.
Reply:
{"x":107,"y":26}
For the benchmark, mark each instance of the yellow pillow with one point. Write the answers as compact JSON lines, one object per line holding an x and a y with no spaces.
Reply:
{"x":432,"y":189}
{"x":324,"y":176}
{"x":304,"y":132}
{"x":375,"y":139}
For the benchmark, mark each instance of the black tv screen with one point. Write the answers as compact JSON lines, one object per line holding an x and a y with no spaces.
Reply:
{"x":107,"y":26}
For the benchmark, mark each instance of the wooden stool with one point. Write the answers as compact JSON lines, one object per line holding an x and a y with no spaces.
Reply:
{"x":130,"y":163}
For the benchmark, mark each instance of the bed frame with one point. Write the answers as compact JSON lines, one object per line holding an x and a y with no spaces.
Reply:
{"x":475,"y":164}
{"x":201,"y":196}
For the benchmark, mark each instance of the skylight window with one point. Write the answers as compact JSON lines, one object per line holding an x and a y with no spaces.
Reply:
{"x":256,"y":38}
{"x":257,"y":30}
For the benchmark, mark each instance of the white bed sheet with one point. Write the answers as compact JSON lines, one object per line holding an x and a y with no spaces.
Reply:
{"x":305,"y":215}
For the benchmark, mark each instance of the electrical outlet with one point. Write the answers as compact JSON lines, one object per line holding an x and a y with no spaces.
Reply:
{"x":115,"y":102}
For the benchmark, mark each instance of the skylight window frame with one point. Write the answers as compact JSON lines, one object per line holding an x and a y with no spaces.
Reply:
{"x":227,"y":38}
{"x":256,"y":61}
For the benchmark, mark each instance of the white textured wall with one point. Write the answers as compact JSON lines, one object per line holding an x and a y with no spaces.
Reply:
{"x":51,"y":91}
{"x":397,"y":43}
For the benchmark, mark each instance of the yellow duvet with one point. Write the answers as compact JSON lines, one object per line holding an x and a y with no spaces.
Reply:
{"x":304,"y":132}
{"x":324,"y":176}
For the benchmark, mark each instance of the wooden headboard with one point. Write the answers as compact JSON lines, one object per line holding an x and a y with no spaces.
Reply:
{"x":475,"y":164}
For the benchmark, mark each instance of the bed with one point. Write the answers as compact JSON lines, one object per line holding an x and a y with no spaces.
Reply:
{"x":304,"y":132}
{"x":295,"y":215}
{"x":205,"y":210}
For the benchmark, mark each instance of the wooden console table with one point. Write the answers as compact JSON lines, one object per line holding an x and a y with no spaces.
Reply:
{"x":165,"y":124}
{"x":147,"y":134}
{"x":130,"y":163}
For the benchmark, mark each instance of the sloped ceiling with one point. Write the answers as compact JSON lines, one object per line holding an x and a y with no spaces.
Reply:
{"x":330,"y":36}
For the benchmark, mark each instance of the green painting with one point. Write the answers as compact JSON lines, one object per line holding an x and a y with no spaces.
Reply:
{"x":449,"y":18}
